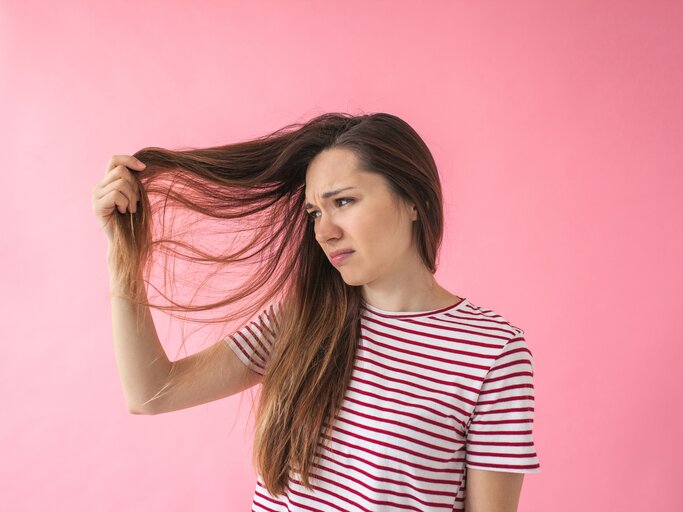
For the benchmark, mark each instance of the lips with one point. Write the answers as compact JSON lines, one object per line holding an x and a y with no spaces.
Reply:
{"x":337,"y":257}
{"x":339,"y":252}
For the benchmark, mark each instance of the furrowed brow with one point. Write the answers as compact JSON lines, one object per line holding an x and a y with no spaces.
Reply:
{"x":329,"y":194}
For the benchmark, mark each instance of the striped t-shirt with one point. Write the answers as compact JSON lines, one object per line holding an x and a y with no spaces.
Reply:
{"x":432,"y":393}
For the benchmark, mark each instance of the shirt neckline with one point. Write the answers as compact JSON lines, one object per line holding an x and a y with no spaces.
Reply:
{"x":412,"y":314}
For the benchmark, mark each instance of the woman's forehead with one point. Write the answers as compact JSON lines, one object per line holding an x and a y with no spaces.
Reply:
{"x":333,"y":192}
{"x":328,"y":186}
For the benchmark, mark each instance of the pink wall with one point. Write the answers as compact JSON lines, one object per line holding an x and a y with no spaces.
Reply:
{"x":557,"y":128}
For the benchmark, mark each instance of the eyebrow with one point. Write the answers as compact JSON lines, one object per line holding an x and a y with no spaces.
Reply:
{"x":330,"y":194}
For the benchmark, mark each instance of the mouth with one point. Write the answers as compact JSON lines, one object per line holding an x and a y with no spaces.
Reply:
{"x":339,"y":258}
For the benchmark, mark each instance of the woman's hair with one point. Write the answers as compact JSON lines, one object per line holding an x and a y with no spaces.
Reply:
{"x":260,"y":184}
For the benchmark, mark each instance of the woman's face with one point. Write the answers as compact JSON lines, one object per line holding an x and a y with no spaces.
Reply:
{"x":364,"y":217}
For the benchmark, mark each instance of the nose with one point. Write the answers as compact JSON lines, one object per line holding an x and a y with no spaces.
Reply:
{"x":326,"y":229}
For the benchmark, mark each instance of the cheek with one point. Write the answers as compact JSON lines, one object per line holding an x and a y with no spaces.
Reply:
{"x":385,"y":237}
{"x":365,"y":230}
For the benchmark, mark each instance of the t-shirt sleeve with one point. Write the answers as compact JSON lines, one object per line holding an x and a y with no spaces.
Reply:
{"x":253,"y":342}
{"x":500,"y":431}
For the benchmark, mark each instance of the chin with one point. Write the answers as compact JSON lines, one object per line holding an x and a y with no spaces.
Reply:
{"x":354,"y":280}
{"x":351,"y":281}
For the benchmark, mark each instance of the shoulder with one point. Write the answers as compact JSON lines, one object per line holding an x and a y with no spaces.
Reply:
{"x":490,"y":317}
{"x":500,"y":332}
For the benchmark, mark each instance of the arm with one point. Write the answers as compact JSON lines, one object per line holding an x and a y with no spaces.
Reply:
{"x":211,"y":374}
{"x":141,"y":360}
{"x":492,"y":491}
{"x":144,"y":368}
{"x":500,"y":432}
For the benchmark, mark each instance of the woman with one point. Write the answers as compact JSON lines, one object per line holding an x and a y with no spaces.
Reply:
{"x":380,"y":389}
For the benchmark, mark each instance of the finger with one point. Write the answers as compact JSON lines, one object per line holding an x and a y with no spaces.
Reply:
{"x":121,"y":201}
{"x":128,"y":190}
{"x":124,"y":187}
{"x":114,"y":199}
{"x":120,"y":172}
{"x":127,"y":160}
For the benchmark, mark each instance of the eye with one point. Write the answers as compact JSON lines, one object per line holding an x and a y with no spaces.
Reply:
{"x":311,"y":214}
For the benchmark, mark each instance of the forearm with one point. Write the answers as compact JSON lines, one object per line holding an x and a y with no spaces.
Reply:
{"x":141,"y":360}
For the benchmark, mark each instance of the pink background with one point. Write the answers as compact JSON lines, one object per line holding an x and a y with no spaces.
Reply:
{"x":557,"y":128}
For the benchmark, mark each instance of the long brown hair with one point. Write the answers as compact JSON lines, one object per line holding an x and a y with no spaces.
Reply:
{"x":318,"y":328}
